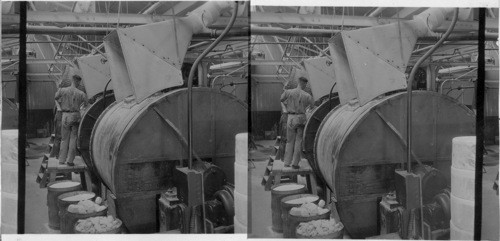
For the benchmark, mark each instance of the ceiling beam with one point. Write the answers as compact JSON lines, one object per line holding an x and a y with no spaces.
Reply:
{"x":407,"y":13}
{"x":183,"y":7}
{"x":355,"y":21}
{"x":104,"y":31}
{"x":38,"y":17}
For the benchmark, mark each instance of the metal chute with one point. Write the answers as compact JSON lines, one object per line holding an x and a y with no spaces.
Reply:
{"x":321,"y":76}
{"x":381,"y":51}
{"x":146,"y":59}
{"x":95,"y":74}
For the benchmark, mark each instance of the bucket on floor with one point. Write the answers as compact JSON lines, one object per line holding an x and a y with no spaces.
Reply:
{"x":66,"y":199}
{"x":335,"y":235}
{"x":70,"y":219}
{"x":117,"y":230}
{"x":294,"y":221}
{"x":277,"y":193}
{"x":286,"y":206}
{"x":54,"y":189}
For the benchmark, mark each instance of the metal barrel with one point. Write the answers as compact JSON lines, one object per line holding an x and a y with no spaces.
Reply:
{"x":136,"y":146}
{"x":358,"y":148}
{"x":285,"y":208}
{"x":63,"y":203}
{"x":276,"y":196}
{"x":54,"y":189}
{"x":294,"y":221}
{"x":70,"y":219}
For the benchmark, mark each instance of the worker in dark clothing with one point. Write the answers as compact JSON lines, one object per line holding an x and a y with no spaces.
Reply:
{"x":70,"y":99}
{"x":296,"y":102}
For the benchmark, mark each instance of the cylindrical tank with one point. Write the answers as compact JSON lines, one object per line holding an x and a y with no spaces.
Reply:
{"x":358,"y":148}
{"x":87,"y":123}
{"x":278,"y":192}
{"x":136,"y":146}
{"x":54,"y":190}
{"x":286,"y":206}
{"x":294,"y":221}
{"x":70,"y":219}
{"x":311,"y":129}
{"x":64,"y":200}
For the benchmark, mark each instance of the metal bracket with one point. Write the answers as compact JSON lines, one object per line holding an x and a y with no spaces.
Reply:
{"x":176,"y":131}
{"x":397,"y":133}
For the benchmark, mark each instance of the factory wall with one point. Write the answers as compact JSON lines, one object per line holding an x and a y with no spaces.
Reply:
{"x":40,"y":104}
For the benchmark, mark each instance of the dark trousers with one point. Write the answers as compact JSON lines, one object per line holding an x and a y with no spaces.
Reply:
{"x":57,"y":133}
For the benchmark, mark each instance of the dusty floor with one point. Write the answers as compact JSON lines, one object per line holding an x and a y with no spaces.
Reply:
{"x":37,"y":219}
{"x":260,"y":212}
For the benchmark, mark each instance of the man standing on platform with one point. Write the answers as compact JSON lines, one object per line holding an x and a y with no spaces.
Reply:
{"x":296,"y":102}
{"x":70,"y":99}
{"x":58,"y":121}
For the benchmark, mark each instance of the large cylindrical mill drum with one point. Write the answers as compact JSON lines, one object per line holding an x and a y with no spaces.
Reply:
{"x":136,"y":146}
{"x":87,"y":123}
{"x":357,"y":149}
{"x":311,"y":129}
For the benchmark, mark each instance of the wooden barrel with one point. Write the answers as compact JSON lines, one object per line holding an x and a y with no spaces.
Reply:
{"x":285,"y":208}
{"x":117,"y":230}
{"x":63,"y":204}
{"x":294,"y":221}
{"x":276,"y":195}
{"x":70,"y":219}
{"x":54,"y":189}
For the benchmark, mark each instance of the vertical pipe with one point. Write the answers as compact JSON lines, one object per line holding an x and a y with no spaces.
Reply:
{"x":190,"y":83}
{"x":479,"y":126}
{"x":410,"y":83}
{"x":21,"y":191}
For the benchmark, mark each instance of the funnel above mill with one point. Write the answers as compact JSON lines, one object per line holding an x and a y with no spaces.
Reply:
{"x":95,"y":74}
{"x":372,"y":61}
{"x":146,"y":59}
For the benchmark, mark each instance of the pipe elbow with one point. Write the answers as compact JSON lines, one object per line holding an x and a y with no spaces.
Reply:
{"x":209,"y":13}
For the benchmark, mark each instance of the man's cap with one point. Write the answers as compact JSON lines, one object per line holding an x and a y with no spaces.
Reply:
{"x":304,"y":79}
{"x":291,"y":84}
{"x":76,"y":76}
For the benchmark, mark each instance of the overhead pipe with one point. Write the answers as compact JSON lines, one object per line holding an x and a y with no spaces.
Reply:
{"x":210,"y":33}
{"x":410,"y":83}
{"x":376,"y":12}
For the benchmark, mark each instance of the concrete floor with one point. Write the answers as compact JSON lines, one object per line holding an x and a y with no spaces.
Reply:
{"x":490,"y":214}
{"x":260,"y":212}
{"x":37,"y":218}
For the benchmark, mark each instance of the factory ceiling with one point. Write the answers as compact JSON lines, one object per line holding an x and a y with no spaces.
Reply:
{"x":78,"y":28}
{"x":303,"y":32}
